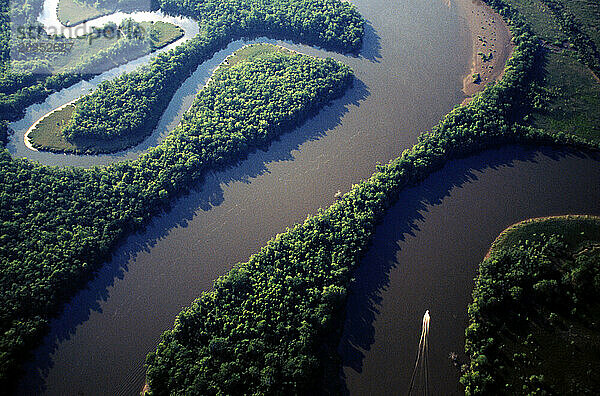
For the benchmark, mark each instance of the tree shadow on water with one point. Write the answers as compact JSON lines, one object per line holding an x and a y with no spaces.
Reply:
{"x":371,"y":49}
{"x":372,"y":277}
{"x":207,"y":194}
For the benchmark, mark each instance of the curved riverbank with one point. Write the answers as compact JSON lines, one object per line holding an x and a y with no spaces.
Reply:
{"x":26,"y":139}
{"x":307,"y":325}
{"x":218,"y":145}
{"x":117,"y":145}
{"x":501,"y":239}
{"x":426,"y":252}
{"x":540,"y":280}
{"x":245,"y":206}
{"x":494,"y":38}
{"x":51,"y":23}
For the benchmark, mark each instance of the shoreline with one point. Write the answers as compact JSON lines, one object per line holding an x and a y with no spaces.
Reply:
{"x":496,"y":37}
{"x":26,"y":139}
{"x":491,"y":44}
{"x":535,"y":220}
{"x":224,"y":63}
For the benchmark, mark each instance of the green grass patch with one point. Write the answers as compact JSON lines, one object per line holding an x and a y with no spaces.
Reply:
{"x":587,"y":13}
{"x":546,"y":26}
{"x":575,"y":99}
{"x":540,"y":18}
{"x":71,"y":13}
{"x":48,"y":136}
{"x":48,"y":132}
{"x":573,"y":229}
{"x":254,"y":52}
{"x":162,"y":33}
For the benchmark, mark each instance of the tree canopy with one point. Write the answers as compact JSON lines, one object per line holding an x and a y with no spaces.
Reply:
{"x":57,"y":225}
{"x":532,"y":323}
{"x":131,"y":105}
{"x":271,"y":326}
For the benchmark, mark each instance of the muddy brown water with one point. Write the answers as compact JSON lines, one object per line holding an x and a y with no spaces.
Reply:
{"x":409,"y":75}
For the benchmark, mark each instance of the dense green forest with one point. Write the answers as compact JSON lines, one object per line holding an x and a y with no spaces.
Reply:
{"x":272,"y":324}
{"x":57,"y":225}
{"x":30,"y":80}
{"x":131,"y":105}
{"x":47,"y":249}
{"x":533,"y":324}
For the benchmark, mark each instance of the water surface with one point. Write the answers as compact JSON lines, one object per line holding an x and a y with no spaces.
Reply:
{"x":425,"y":255}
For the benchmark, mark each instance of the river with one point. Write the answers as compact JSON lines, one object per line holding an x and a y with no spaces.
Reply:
{"x":425,"y":256}
{"x":409,"y":75}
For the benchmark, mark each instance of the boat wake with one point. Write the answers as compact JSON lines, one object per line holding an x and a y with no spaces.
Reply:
{"x":421,"y":370}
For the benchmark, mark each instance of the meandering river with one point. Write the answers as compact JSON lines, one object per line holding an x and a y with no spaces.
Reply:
{"x":425,"y":255}
{"x":409,"y":75}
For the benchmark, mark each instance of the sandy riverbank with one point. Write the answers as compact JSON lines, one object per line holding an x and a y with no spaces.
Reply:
{"x":26,"y":139}
{"x":491,"y":45}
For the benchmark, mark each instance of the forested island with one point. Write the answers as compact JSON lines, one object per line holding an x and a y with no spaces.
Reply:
{"x":133,"y":40}
{"x":272,"y":324}
{"x":129,"y":107}
{"x":32,"y":79}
